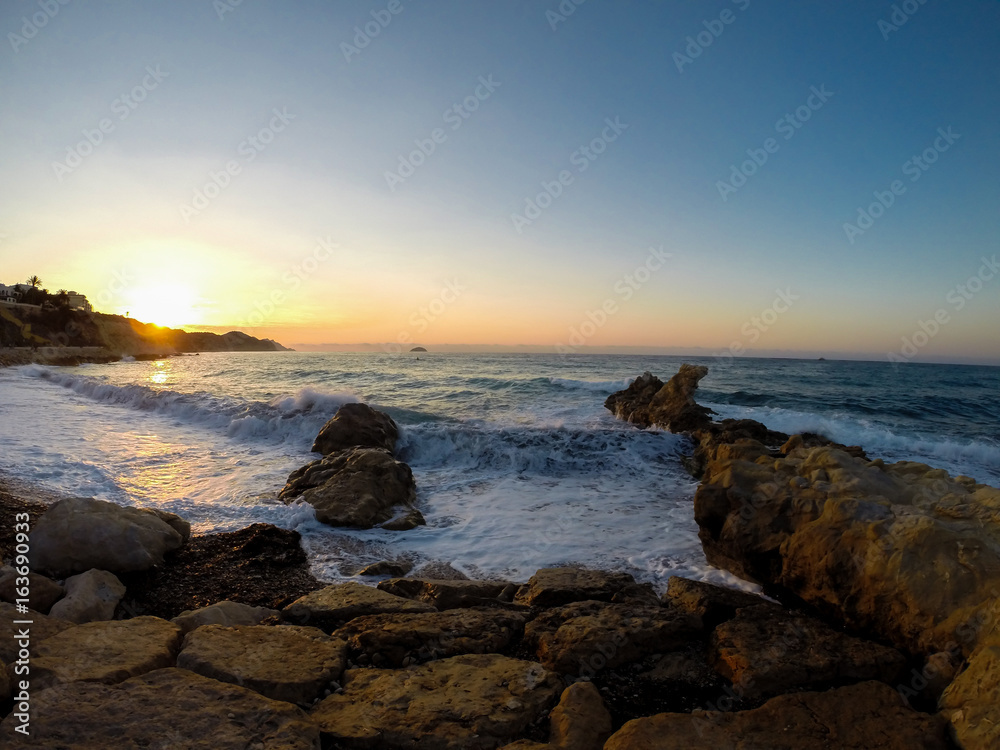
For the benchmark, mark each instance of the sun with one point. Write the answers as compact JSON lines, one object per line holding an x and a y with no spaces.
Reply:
{"x":169,"y":305}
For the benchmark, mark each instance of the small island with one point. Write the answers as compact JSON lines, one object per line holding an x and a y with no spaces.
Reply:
{"x":418,"y":349}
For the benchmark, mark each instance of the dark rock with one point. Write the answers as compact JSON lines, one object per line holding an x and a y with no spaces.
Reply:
{"x":387,"y":568}
{"x":42,"y":592}
{"x":552,"y":587}
{"x":447,"y":594}
{"x":713,"y":604}
{"x":357,"y":425}
{"x":647,"y":402}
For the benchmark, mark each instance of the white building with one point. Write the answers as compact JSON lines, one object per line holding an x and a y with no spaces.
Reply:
{"x":9,"y":293}
{"x":78,"y":301}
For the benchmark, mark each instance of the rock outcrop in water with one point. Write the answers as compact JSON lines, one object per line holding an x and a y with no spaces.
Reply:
{"x":357,"y":426}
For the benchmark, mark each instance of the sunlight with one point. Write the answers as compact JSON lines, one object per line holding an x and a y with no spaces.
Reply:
{"x":170,"y":305}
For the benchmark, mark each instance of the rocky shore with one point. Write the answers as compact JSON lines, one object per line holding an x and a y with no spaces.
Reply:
{"x":879,"y":629}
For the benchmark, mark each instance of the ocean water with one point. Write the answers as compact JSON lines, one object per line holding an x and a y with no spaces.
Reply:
{"x":518,"y":465}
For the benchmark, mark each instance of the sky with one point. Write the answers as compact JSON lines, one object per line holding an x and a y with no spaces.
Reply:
{"x":734,"y":176}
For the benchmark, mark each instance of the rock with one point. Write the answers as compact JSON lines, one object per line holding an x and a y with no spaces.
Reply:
{"x":392,"y":639}
{"x":357,"y":487}
{"x":357,"y":425}
{"x":331,"y":607}
{"x":858,"y":540}
{"x":765,"y":651}
{"x":6,"y":684}
{"x":90,"y":596}
{"x":168,"y":708}
{"x":467,"y":702}
{"x":286,"y":663}
{"x":580,"y":721}
{"x":868,"y":716}
{"x":443,"y":594}
{"x":713,"y":604}
{"x":553,"y":587}
{"x":387,"y":568}
{"x":406,"y":520}
{"x":106,"y":652}
{"x":175,"y":522}
{"x":972,"y":702}
{"x":647,"y":402}
{"x":583,"y":638}
{"x":77,"y":534}
{"x":260,"y":565}
{"x":439,"y":571}
{"x":224,"y":613}
{"x":42,"y":592}
{"x":42,"y":627}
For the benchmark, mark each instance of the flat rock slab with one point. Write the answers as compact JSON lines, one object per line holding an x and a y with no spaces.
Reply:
{"x":765,"y":651}
{"x":713,"y":604}
{"x":286,"y":663}
{"x":168,"y":708}
{"x":42,"y":627}
{"x":467,"y":702}
{"x":448,"y":594}
{"x":108,"y":652}
{"x":223,"y":613}
{"x":553,"y":587}
{"x":333,"y":606}
{"x":868,"y":716}
{"x":77,"y":534}
{"x":583,"y":638}
{"x":401,"y":639}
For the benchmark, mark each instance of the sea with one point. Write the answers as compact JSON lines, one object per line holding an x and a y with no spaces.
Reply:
{"x":518,"y":464}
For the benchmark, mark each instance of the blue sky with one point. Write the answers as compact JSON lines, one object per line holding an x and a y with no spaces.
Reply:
{"x":222,"y":70}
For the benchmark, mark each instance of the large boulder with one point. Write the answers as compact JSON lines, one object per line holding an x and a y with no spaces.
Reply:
{"x":902,"y":550}
{"x":168,"y":708}
{"x":332,"y":606}
{"x":394,"y":640}
{"x":77,"y":534}
{"x":868,"y":716}
{"x":42,"y":592}
{"x":647,"y":402}
{"x":90,"y":596}
{"x":106,"y":652}
{"x":225,"y":613}
{"x":972,"y":702}
{"x":553,"y":587}
{"x":358,"y":487}
{"x":357,"y":425}
{"x":713,"y":604}
{"x":448,"y":594}
{"x":766,"y":651}
{"x":470,"y":702}
{"x":583,"y":638}
{"x":286,"y":663}
{"x":580,"y":722}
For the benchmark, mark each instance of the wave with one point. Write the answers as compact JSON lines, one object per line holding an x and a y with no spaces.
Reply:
{"x":601,"y":386}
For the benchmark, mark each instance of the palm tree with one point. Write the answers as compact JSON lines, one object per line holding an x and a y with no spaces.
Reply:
{"x":34,"y":281}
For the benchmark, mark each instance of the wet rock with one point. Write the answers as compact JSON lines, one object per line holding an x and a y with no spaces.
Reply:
{"x":357,"y":425}
{"x":387,"y":568}
{"x":333,"y":606}
{"x":286,"y":663}
{"x":106,"y":652}
{"x":553,"y":587}
{"x":713,"y":604}
{"x":579,"y":722}
{"x":90,"y":596}
{"x":224,"y":613}
{"x":867,"y":716}
{"x":6,"y":684}
{"x":42,"y":627}
{"x":168,"y":708}
{"x":395,"y":640}
{"x":357,"y":487}
{"x":648,"y":402}
{"x":77,"y":534}
{"x":765,"y":651}
{"x":583,"y":638}
{"x":444,"y":594}
{"x":439,"y":571}
{"x":972,"y":702}
{"x":42,"y":592}
{"x":467,"y":702}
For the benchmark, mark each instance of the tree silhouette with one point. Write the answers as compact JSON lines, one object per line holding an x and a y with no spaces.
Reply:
{"x":34,"y":281}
